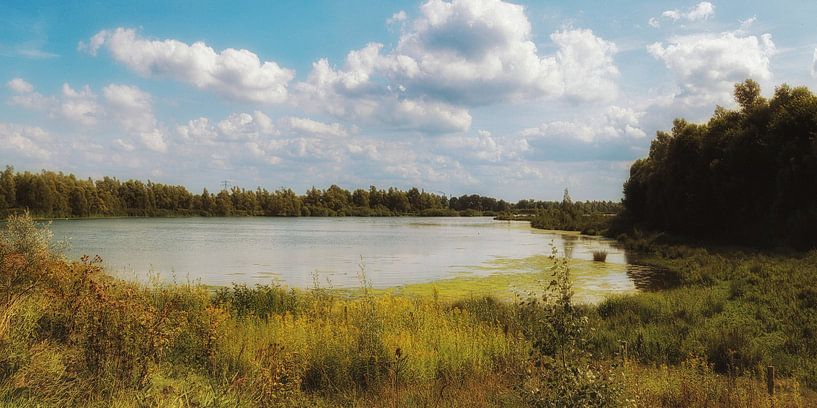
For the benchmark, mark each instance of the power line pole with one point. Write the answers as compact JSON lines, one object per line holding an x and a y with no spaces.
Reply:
{"x":225,"y":184}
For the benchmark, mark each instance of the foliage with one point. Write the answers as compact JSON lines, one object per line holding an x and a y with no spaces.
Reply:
{"x":72,"y":336}
{"x":737,"y":310}
{"x":589,"y":217}
{"x":746,"y":176}
{"x":49,"y":194}
{"x":565,"y":373}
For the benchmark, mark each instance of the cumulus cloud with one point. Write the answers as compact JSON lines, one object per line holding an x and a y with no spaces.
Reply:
{"x":477,"y":52}
{"x":236,"y":74}
{"x":586,"y":63}
{"x":26,"y":97}
{"x":76,"y":106}
{"x":79,"y":106}
{"x":700,"y":11}
{"x":707,"y":65}
{"x":484,"y":146}
{"x":258,"y":138}
{"x":616,"y":123}
{"x":29,"y":141}
{"x":123,"y":107}
{"x":456,"y":55}
{"x":32,"y":100}
{"x":350,"y":93}
{"x":314,"y":127}
{"x":133,"y":109}
{"x":19,"y":85}
{"x":397,"y":17}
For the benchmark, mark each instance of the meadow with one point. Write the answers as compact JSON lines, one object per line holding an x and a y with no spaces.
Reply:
{"x":70,"y":335}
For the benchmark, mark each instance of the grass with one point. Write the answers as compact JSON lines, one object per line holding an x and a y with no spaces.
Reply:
{"x":599,"y":255}
{"x":739,"y":310}
{"x":72,"y":336}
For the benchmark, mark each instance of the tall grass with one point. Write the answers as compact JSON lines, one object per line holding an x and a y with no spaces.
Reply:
{"x":599,"y":255}
{"x":72,"y":336}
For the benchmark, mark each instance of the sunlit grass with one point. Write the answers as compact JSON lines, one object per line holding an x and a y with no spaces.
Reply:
{"x":511,"y":279}
{"x":72,"y":336}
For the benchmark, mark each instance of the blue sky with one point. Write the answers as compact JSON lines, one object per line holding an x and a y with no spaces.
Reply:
{"x":517,"y":100}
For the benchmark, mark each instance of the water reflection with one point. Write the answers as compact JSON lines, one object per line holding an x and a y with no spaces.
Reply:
{"x":393,"y":251}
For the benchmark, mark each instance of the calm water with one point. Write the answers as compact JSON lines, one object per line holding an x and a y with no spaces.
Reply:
{"x":394,"y":251}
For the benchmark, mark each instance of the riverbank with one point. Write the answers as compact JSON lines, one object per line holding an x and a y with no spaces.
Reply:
{"x":70,"y":335}
{"x":741,"y":309}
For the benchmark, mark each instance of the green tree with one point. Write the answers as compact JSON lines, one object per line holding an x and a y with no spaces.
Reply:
{"x":746,"y":176}
{"x":8,"y":191}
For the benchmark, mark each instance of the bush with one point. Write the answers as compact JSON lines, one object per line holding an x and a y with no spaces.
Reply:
{"x":564,"y":372}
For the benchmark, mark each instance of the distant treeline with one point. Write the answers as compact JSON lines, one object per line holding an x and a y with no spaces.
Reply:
{"x":747,"y":176}
{"x":52,"y":194}
{"x":589,"y":217}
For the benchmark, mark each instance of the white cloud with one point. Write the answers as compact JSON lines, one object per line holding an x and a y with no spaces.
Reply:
{"x":256,"y":138}
{"x":246,"y":126}
{"x":154,"y":140}
{"x":236,"y":74}
{"x":478,"y":52}
{"x":313,"y":127}
{"x":707,"y":65}
{"x":28,"y":141}
{"x":197,"y":131}
{"x":351,"y":94}
{"x":19,"y":85}
{"x":814,"y":64}
{"x":397,"y":17}
{"x":615,"y":123}
{"x":79,"y":106}
{"x":586,"y":62}
{"x":455,"y":55}
{"x":654,"y":23}
{"x":424,"y":115}
{"x":32,"y":100}
{"x":367,"y":149}
{"x":26,"y":97}
{"x":700,"y":11}
{"x":745,"y":25}
{"x":484,"y":146}
{"x":236,"y":128}
{"x":124,"y":145}
{"x":94,"y":44}
{"x":133,"y":109}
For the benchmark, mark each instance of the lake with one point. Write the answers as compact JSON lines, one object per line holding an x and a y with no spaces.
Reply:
{"x":296,"y":252}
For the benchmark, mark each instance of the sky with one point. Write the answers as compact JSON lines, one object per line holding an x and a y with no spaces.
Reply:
{"x":510,"y":99}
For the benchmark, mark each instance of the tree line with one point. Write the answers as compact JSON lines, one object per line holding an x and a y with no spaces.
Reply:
{"x":58,"y":195}
{"x":746,"y":176}
{"x":589,"y":217}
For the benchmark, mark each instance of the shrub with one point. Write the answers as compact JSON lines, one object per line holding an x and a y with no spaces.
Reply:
{"x":564,"y":372}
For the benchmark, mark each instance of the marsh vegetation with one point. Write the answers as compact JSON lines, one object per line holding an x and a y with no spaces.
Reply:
{"x":71,"y":335}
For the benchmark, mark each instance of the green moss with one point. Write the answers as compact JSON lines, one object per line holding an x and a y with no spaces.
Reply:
{"x":513,"y":279}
